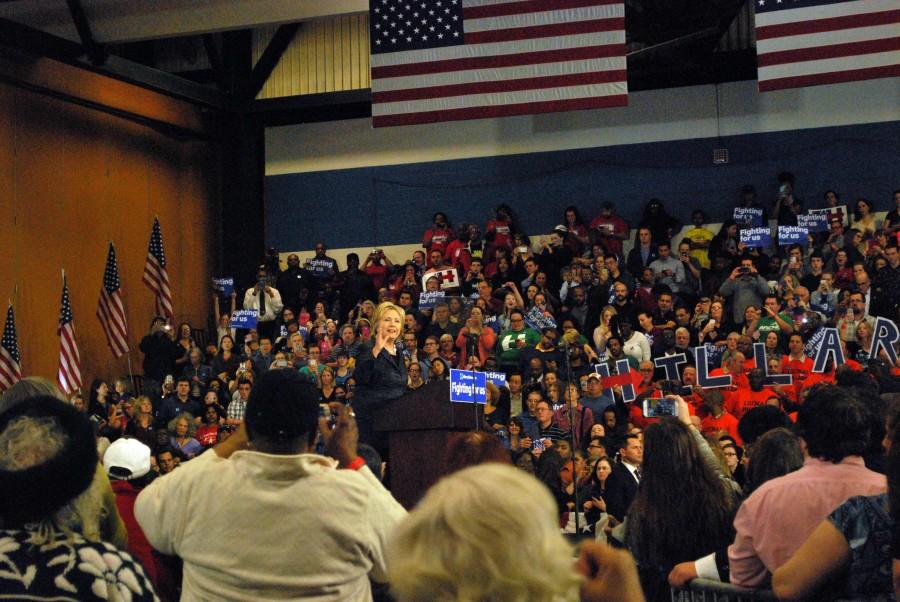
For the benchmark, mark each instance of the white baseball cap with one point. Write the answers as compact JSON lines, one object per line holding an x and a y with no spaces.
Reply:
{"x":127,"y":459}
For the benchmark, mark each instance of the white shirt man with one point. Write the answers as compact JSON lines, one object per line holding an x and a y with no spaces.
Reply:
{"x":262,"y":517}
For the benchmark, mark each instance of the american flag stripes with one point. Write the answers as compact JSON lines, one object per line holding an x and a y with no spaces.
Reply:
{"x":445,"y":60}
{"x":10,"y":359}
{"x":811,"y":42}
{"x":69,"y":375}
{"x":155,"y":275}
{"x":110,"y":309}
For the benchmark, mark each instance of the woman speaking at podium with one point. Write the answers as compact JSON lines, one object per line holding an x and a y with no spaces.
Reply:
{"x":380,"y":373}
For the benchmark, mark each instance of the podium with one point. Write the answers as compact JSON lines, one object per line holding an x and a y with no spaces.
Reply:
{"x":419,"y":426}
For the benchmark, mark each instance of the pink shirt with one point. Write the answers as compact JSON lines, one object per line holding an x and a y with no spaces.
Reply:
{"x":778,"y":517}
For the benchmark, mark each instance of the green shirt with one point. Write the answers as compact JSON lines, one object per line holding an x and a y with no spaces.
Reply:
{"x":508,"y":352}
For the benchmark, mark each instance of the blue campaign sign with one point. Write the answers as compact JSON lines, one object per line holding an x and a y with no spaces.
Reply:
{"x":498,"y":378}
{"x":480,"y":393}
{"x":792,"y":235}
{"x":814,"y":222}
{"x":224,"y":286}
{"x":748,"y":216}
{"x":428,"y":300}
{"x":462,"y":386}
{"x":536,"y":319}
{"x":467,"y":386}
{"x":245,"y":318}
{"x":756,"y":237}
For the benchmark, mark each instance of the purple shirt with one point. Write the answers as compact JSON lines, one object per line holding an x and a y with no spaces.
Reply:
{"x":778,"y":517}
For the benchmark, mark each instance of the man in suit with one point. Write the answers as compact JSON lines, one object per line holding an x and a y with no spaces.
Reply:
{"x":622,"y":483}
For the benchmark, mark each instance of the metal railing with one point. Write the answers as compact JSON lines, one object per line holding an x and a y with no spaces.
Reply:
{"x":704,"y":590}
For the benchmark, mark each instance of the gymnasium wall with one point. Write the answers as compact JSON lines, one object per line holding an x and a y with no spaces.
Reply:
{"x":73,"y":178}
{"x":355,"y":187}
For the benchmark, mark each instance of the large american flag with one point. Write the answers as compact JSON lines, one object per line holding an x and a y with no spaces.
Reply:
{"x":811,"y":42}
{"x":69,"y":374}
{"x":110,"y":309}
{"x":10,"y":359}
{"x":446,"y":60}
{"x":155,"y":274}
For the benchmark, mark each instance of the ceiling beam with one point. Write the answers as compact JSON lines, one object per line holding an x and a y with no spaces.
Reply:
{"x":14,"y":35}
{"x":96,"y":53}
{"x":135,"y":20}
{"x":269,"y":59}
{"x":215,"y":61}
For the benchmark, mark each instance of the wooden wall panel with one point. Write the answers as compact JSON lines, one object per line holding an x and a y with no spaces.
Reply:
{"x":326,"y":55}
{"x":71,"y":179}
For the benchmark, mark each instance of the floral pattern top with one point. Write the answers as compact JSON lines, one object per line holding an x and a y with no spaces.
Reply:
{"x":68,"y":568}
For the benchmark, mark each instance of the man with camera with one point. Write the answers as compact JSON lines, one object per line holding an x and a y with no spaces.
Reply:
{"x":746,"y":287}
{"x":378,"y":267}
{"x":264,"y":300}
{"x":262,"y":516}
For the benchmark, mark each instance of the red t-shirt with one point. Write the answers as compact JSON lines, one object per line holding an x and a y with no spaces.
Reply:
{"x":207,"y":435}
{"x":378,"y":272}
{"x":607,"y":226}
{"x":726,"y":422}
{"x":745,"y":399}
{"x":502,"y":233}
{"x":799,"y":371}
{"x":440,"y":238}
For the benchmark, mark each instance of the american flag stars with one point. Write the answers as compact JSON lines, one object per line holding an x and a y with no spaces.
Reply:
{"x":402,"y":25}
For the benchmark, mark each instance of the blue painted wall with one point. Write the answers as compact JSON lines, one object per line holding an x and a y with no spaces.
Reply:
{"x":394,"y":204}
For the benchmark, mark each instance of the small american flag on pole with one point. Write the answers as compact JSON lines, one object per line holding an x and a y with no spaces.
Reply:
{"x":110,"y":309}
{"x":69,"y":375}
{"x":10,"y":359}
{"x":155,"y":275}
{"x":812,"y":42}
{"x":445,"y":60}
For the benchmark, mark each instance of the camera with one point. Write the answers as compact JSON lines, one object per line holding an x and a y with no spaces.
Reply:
{"x":743,"y":270}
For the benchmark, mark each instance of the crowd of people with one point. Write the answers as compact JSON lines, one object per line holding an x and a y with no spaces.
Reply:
{"x":745,"y":482}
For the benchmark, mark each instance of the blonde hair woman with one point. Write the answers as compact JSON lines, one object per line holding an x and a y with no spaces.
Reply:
{"x":380,"y":372}
{"x":491,"y":532}
{"x":604,"y":329}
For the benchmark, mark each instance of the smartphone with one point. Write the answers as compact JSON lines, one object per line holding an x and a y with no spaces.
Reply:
{"x":522,"y":249}
{"x":281,"y":364}
{"x":655,"y":408}
{"x":538,"y":445}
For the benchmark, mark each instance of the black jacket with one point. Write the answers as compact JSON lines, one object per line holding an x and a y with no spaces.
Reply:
{"x":378,"y":380}
{"x":621,"y":487}
{"x":160,"y":353}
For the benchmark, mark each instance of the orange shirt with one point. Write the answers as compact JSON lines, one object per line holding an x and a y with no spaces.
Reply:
{"x":746,"y":399}
{"x":726,"y":422}
{"x":799,"y":371}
